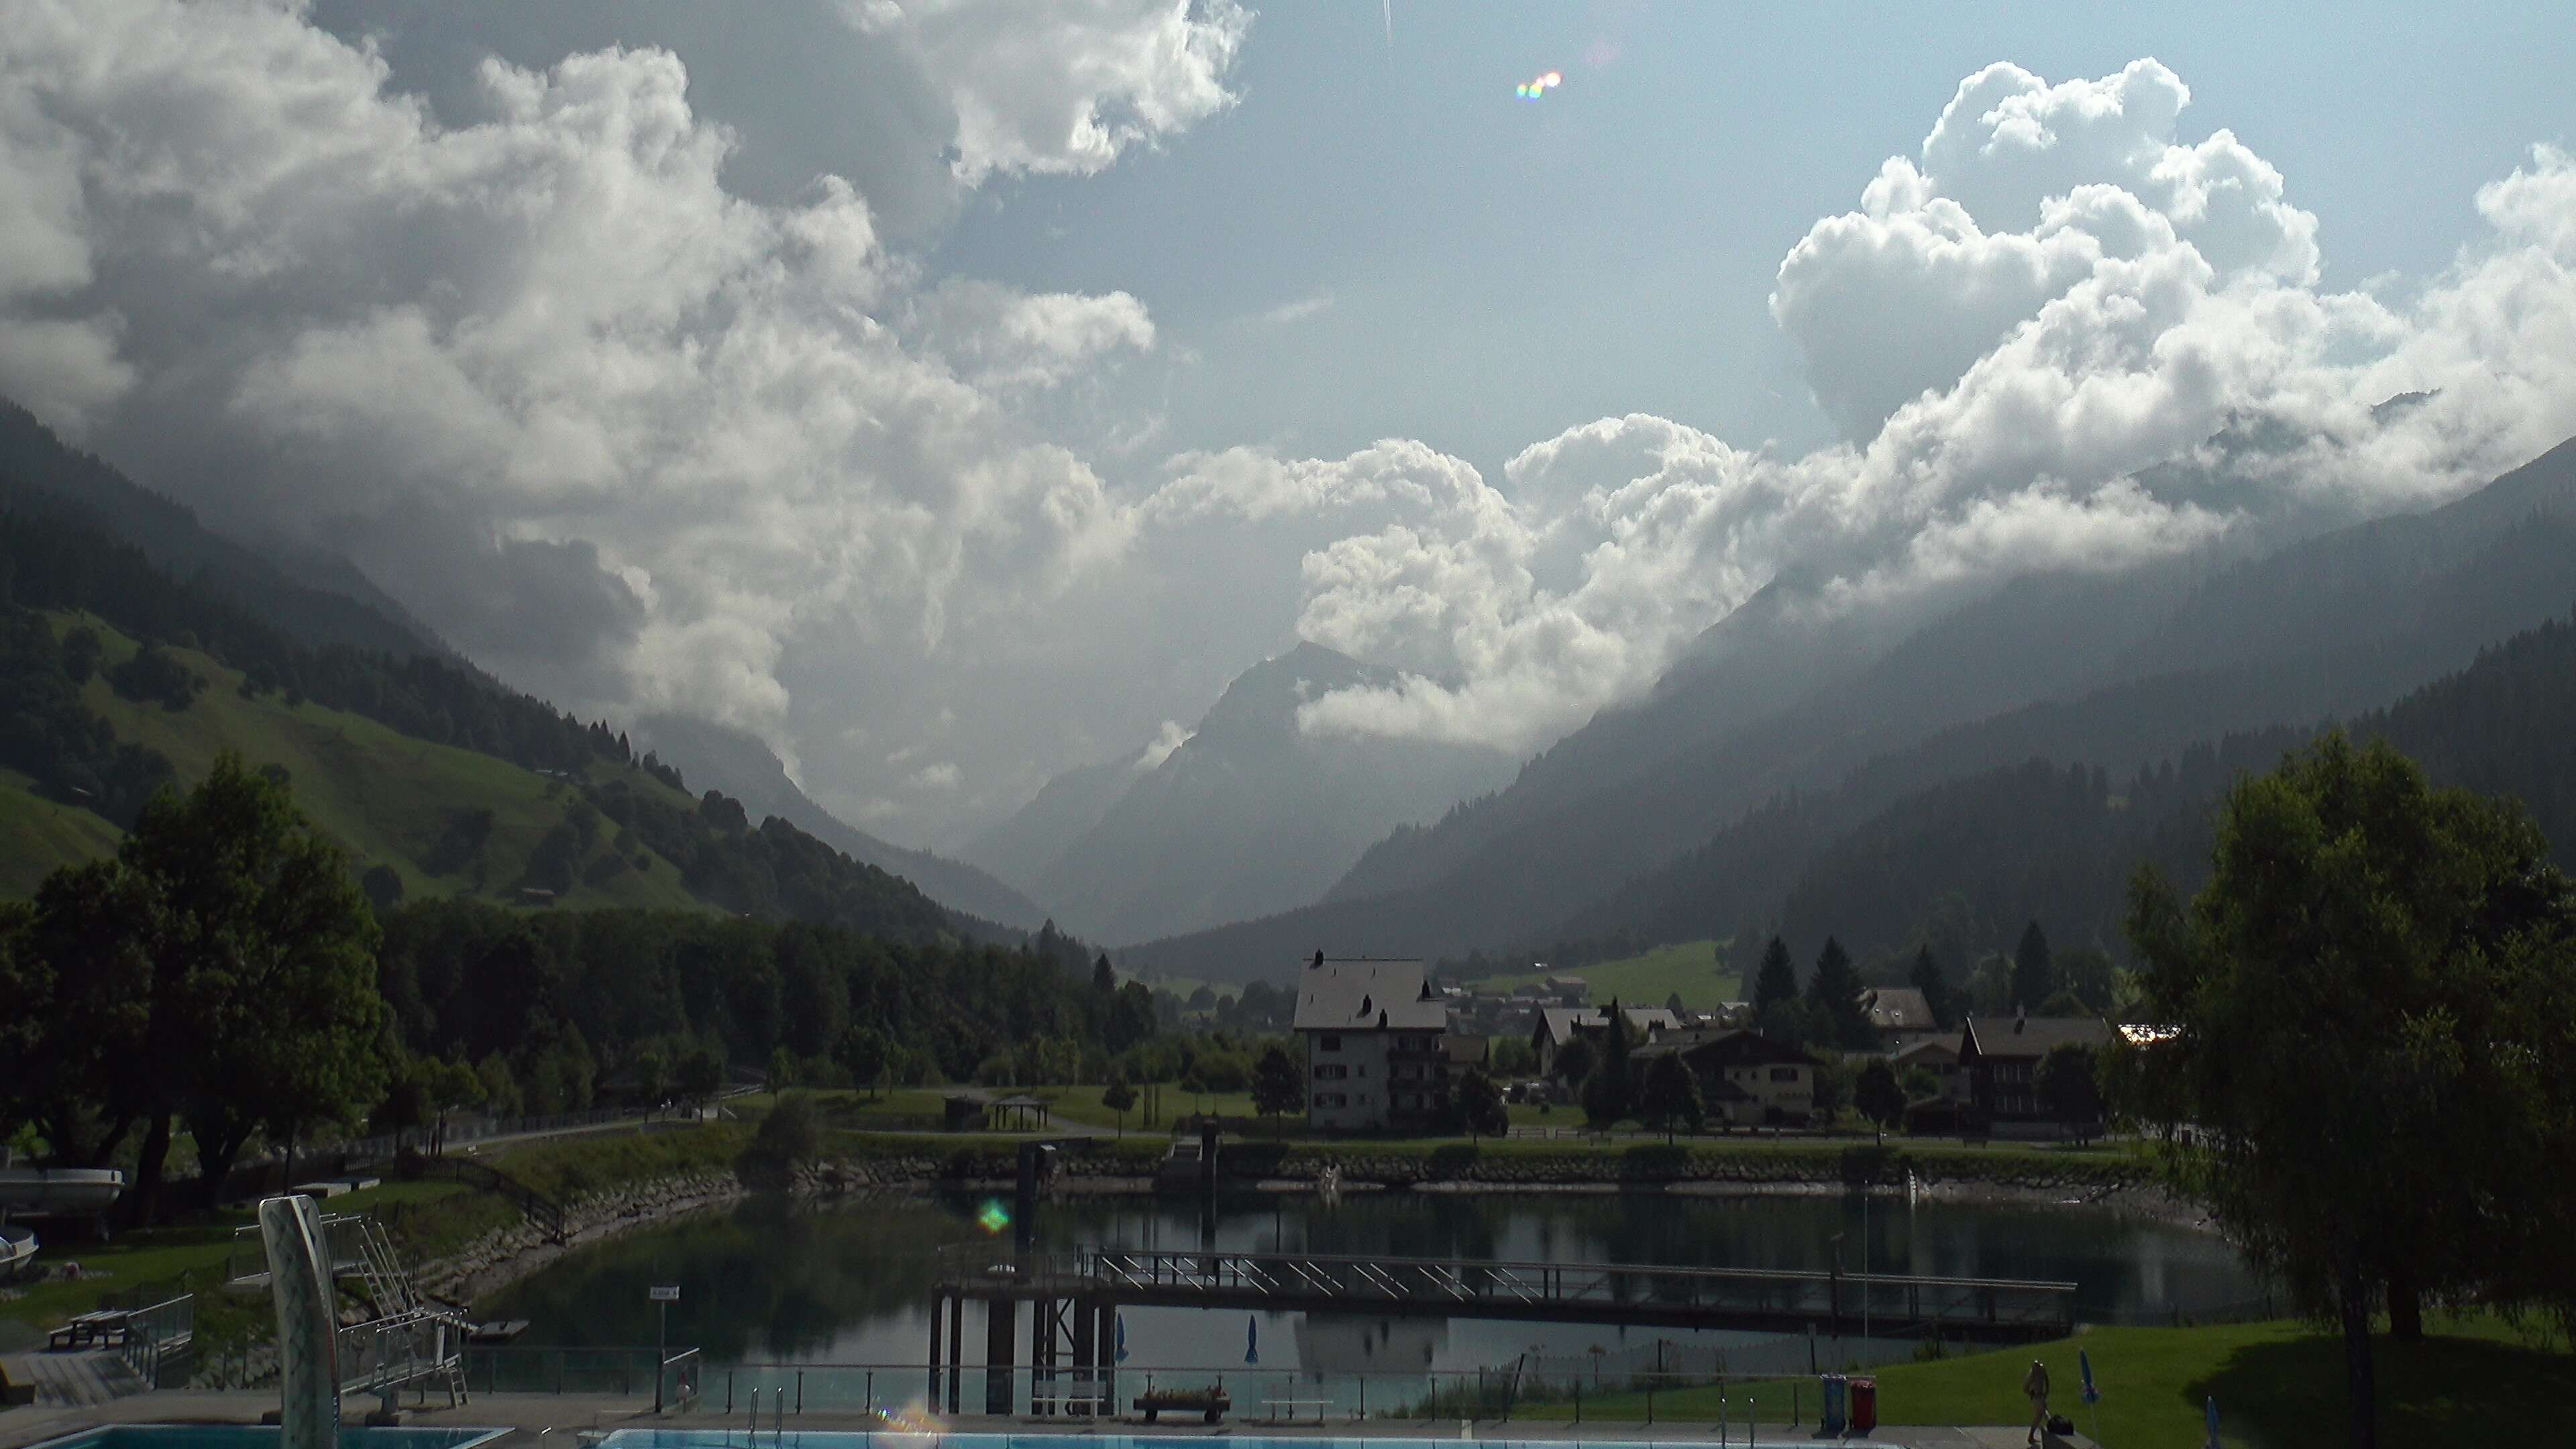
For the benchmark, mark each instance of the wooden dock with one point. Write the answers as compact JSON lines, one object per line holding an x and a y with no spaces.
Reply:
{"x":1075,"y":1297}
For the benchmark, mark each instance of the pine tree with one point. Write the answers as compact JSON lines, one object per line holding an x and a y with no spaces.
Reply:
{"x":1834,"y":1004}
{"x":1926,"y":977}
{"x":2034,"y":975}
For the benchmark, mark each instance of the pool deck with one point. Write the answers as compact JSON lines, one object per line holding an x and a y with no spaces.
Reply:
{"x":538,"y":1417}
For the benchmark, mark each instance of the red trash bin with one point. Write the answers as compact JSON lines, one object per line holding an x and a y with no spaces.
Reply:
{"x":1864,"y":1405}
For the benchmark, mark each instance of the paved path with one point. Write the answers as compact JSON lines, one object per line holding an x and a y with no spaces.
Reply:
{"x":538,"y":1417}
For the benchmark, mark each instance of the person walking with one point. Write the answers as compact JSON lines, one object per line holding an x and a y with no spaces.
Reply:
{"x":2035,"y":1384}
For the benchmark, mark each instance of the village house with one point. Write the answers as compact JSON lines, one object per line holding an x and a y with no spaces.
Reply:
{"x":2001,"y":1056}
{"x":1938,"y":1055}
{"x":1374,"y":1034}
{"x":1745,"y":1078}
{"x":1554,"y":1026}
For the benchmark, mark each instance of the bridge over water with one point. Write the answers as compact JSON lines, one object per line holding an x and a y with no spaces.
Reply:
{"x":1075,"y":1296}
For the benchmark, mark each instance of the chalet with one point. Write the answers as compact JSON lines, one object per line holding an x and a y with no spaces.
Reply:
{"x":1746,"y":1078}
{"x":1375,"y":1052}
{"x":1938,"y":1055}
{"x":1554,"y":1026}
{"x":1900,"y":1013}
{"x":2001,"y":1056}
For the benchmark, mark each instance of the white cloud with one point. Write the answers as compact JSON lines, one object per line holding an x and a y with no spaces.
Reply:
{"x":546,"y":355}
{"x":1068,"y":85}
{"x":941,"y":776}
{"x":2060,"y":296}
{"x":1166,"y":740}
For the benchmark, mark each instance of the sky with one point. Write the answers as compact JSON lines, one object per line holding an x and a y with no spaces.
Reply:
{"x":956,"y":392}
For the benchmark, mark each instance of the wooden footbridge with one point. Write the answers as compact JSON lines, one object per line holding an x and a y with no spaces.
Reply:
{"x":1075,"y":1296}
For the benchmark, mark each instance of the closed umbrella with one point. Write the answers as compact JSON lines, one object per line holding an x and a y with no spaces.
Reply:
{"x":2212,"y":1414}
{"x":2092,"y":1395}
{"x":1122,"y":1337}
{"x":1251,"y":1339}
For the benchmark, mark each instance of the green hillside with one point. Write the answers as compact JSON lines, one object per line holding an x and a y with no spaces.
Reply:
{"x":387,"y":798}
{"x":1694,"y":969}
{"x":37,"y":835}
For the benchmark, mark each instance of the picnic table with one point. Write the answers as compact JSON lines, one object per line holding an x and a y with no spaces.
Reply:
{"x":105,"y":1327}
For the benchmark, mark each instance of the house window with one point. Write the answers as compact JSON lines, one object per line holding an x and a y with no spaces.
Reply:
{"x":1784,"y":1074}
{"x":1328,"y":1043}
{"x":1331,"y":1072}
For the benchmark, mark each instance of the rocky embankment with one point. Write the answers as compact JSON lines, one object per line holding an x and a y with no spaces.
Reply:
{"x":500,"y":1258}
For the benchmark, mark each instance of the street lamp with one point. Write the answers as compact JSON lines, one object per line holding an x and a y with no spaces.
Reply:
{"x":1837,"y":1241}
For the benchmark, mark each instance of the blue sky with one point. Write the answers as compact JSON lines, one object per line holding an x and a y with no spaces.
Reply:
{"x":1498,"y":270}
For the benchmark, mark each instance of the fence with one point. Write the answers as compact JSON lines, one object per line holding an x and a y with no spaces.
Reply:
{"x":159,"y":1339}
{"x":1782,"y":1397}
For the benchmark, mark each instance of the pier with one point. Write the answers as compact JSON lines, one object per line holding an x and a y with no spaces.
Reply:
{"x":1075,"y":1297}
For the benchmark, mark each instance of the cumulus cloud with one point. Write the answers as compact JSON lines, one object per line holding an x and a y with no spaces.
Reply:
{"x":1069,"y":86}
{"x":2065,"y":337}
{"x":598,"y":417}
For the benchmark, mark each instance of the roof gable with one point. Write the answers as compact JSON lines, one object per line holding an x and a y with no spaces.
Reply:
{"x":2017,"y":1037}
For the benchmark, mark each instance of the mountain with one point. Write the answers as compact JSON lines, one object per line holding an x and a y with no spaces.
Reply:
{"x":744,"y":767}
{"x":1036,"y":836}
{"x":1968,"y":862}
{"x":135,"y":646}
{"x":1249,"y":815}
{"x":311,"y":596}
{"x":2115,"y":670}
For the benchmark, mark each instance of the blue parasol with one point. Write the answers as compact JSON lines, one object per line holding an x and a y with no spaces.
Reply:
{"x":2084,"y":1361}
{"x":1122,"y":1337}
{"x":1251,"y":1339}
{"x":2213,"y":1421}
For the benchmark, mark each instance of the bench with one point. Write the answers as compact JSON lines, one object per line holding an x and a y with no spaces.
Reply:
{"x":1211,"y":1402}
{"x":1293,"y":1406}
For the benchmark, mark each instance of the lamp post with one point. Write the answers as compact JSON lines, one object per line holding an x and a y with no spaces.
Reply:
{"x":662,"y":1295}
{"x":1838,"y":1288}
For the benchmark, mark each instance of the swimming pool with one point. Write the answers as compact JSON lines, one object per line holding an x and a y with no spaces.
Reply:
{"x":891,"y":1439}
{"x":260,"y":1436}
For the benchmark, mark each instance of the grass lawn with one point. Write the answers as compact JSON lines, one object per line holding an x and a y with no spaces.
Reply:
{"x":45,"y":836}
{"x":2277,"y":1384}
{"x":424,"y":1218}
{"x":1692,"y":968}
{"x":566,"y":1168}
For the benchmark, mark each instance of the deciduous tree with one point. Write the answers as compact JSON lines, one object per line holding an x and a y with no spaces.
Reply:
{"x":1670,"y":1096}
{"x":1879,"y":1097}
{"x":1278,"y":1087}
{"x":2371,"y":1000}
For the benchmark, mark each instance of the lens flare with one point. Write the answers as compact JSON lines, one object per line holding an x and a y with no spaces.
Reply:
{"x":994,"y":1216}
{"x":1531,"y":90}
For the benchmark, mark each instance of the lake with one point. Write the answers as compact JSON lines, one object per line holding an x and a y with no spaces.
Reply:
{"x":770,"y":1283}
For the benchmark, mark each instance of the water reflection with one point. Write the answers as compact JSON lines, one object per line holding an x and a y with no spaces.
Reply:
{"x":851,"y":1284}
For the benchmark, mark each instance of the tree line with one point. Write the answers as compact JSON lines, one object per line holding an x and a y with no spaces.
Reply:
{"x":222,"y":976}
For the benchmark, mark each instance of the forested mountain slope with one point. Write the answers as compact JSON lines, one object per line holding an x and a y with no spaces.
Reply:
{"x":122,"y":679}
{"x":1978,"y":857}
{"x":318,"y":600}
{"x":2135,"y":668}
{"x":742,"y":766}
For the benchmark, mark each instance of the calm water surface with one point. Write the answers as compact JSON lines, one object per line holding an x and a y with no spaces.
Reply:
{"x":767,"y":1283}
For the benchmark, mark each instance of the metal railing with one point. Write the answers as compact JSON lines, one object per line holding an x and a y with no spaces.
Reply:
{"x":158,"y":1337}
{"x":1590,"y":1292}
